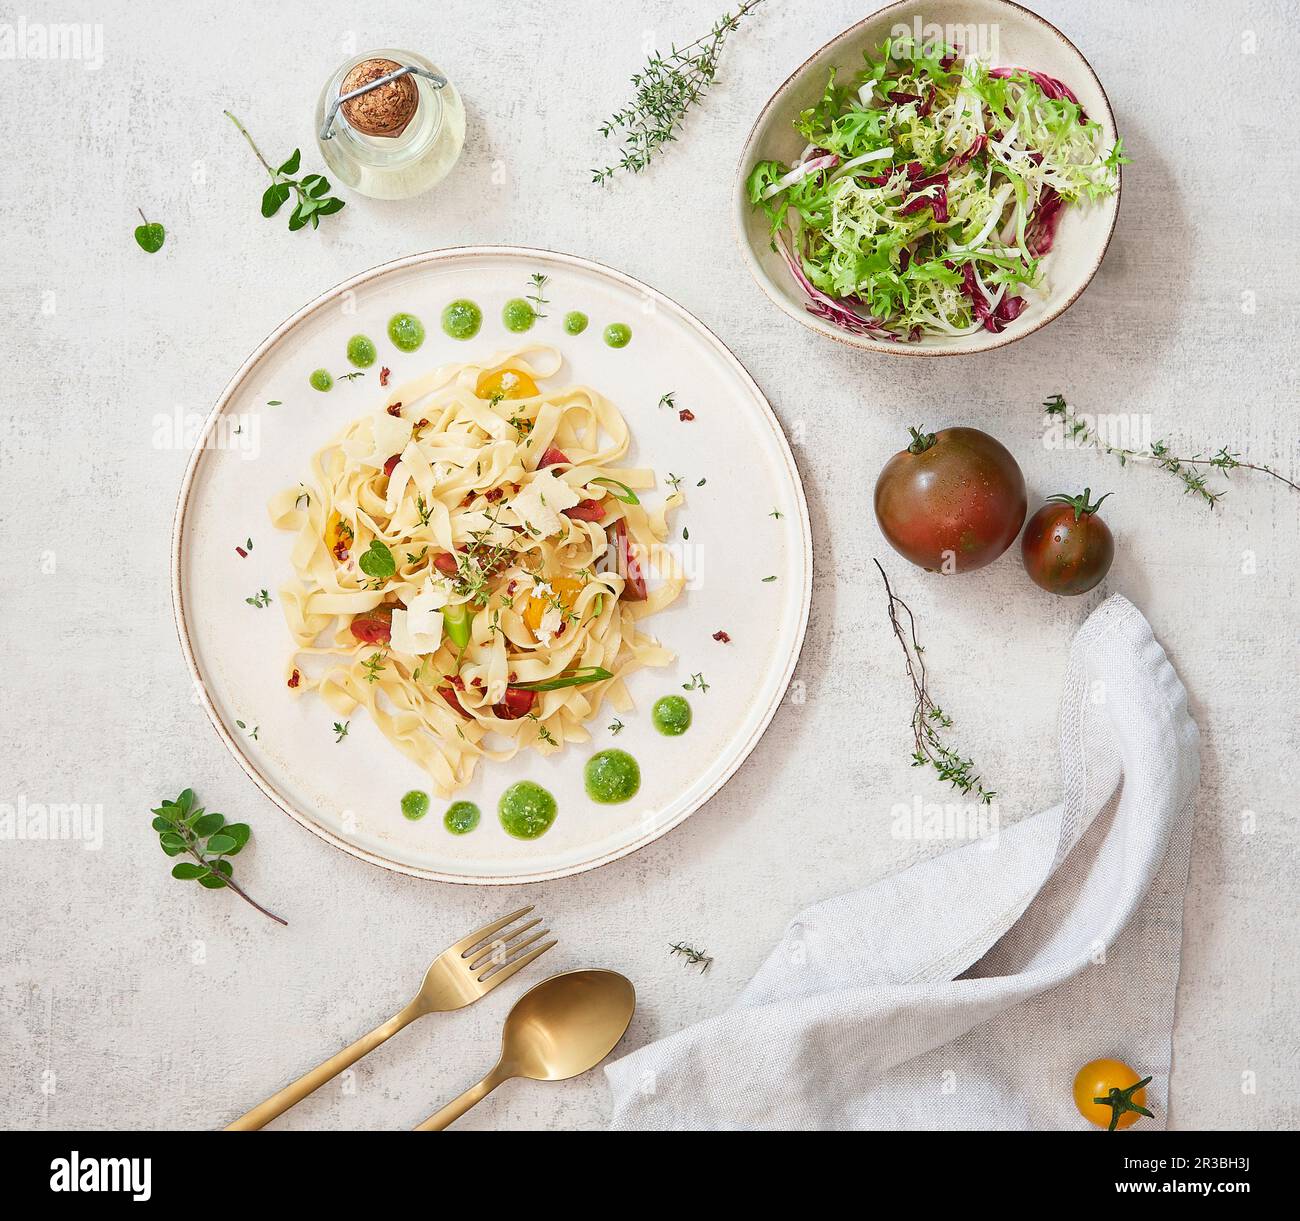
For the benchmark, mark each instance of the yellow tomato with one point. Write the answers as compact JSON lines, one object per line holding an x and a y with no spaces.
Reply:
{"x":338,"y":537}
{"x":566,"y":589}
{"x":508,"y":383}
{"x":1097,"y":1079}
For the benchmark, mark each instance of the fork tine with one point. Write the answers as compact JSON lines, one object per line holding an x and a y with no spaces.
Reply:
{"x":502,"y":943}
{"x":489,"y":982}
{"x":465,"y":944}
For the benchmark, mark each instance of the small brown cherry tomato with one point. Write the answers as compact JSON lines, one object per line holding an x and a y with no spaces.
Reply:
{"x":1066,"y":547}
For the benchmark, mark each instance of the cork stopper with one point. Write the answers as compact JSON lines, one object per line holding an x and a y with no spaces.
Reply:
{"x":385,"y":111}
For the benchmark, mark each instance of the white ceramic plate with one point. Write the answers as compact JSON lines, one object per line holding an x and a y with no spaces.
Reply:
{"x":1006,"y":35}
{"x":349,"y":792}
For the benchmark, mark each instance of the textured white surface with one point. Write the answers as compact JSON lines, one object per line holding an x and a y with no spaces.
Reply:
{"x":131,"y":1000}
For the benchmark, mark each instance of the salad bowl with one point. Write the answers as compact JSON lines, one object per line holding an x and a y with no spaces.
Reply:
{"x":999,"y":34}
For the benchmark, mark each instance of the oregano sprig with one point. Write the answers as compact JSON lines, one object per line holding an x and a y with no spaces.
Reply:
{"x":312,"y":190}
{"x":184,"y":828}
{"x":928,"y":719}
{"x":1160,"y":455}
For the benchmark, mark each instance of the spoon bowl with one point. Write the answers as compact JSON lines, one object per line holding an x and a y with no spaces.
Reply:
{"x":567,"y":1024}
{"x":558,"y":1029}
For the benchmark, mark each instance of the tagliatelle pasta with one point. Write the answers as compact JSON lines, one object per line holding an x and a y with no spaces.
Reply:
{"x":471,"y":565}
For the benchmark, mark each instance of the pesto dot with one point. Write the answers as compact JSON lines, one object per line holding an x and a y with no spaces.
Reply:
{"x":526,"y":810}
{"x":518,"y":315}
{"x":415,"y":805}
{"x":618,"y":334}
{"x":461,"y":817}
{"x":361,"y":351}
{"x":611,"y":776}
{"x":575,"y":322}
{"x":671,"y":715}
{"x":462,"y":319}
{"x":406,"y":331}
{"x":321,"y":380}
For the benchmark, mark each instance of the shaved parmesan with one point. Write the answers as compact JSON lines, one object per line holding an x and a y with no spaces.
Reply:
{"x":389,"y":435}
{"x":541,"y":502}
{"x":405,"y":639}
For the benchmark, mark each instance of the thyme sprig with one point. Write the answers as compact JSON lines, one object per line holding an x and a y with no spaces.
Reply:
{"x":537,"y":297}
{"x":1160,"y":455}
{"x":666,"y":88}
{"x":928,"y":719}
{"x":693,"y":956}
{"x":185,"y":828}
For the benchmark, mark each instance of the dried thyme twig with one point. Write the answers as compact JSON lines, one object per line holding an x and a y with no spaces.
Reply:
{"x":927,"y":717}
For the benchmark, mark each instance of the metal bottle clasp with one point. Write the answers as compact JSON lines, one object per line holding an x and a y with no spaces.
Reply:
{"x":438,"y":82}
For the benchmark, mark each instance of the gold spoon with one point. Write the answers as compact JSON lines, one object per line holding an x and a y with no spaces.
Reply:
{"x":559,"y":1028}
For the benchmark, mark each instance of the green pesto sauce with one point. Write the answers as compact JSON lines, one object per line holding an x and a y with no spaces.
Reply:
{"x":671,"y":715}
{"x":415,"y":804}
{"x":518,"y":315}
{"x":462,"y":319}
{"x":461,"y":817}
{"x":526,"y":810}
{"x":406,"y":331}
{"x":618,"y":334}
{"x":612,"y":775}
{"x":321,"y":380}
{"x":575,"y":322}
{"x":361,"y":351}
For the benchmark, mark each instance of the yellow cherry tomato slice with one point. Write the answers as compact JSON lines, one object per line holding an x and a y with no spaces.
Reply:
{"x":507,"y":383}
{"x":338,"y":537}
{"x":566,"y":589}
{"x":1097,"y":1079}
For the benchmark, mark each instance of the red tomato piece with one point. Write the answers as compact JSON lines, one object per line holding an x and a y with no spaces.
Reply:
{"x":517,"y":703}
{"x":586,"y":510}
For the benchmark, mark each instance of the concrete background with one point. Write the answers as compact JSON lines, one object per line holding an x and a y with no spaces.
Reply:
{"x":127,"y":999}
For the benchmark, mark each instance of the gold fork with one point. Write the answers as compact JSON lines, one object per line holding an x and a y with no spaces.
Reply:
{"x":457,"y":977}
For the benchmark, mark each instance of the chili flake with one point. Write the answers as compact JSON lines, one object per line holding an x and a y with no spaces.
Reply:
{"x":722,"y":637}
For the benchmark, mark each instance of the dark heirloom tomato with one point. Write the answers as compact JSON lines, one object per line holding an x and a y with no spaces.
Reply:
{"x":1067,"y":548}
{"x":952,"y":501}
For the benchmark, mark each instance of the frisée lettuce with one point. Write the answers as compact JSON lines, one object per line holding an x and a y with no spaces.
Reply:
{"x":930,"y":190}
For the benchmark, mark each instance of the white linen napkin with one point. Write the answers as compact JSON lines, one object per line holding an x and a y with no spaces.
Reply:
{"x":966,"y":992}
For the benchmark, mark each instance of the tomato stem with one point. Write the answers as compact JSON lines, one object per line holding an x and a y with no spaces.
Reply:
{"x":921,"y":441}
{"x":1079,"y":504}
{"x":1121,"y":1100}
